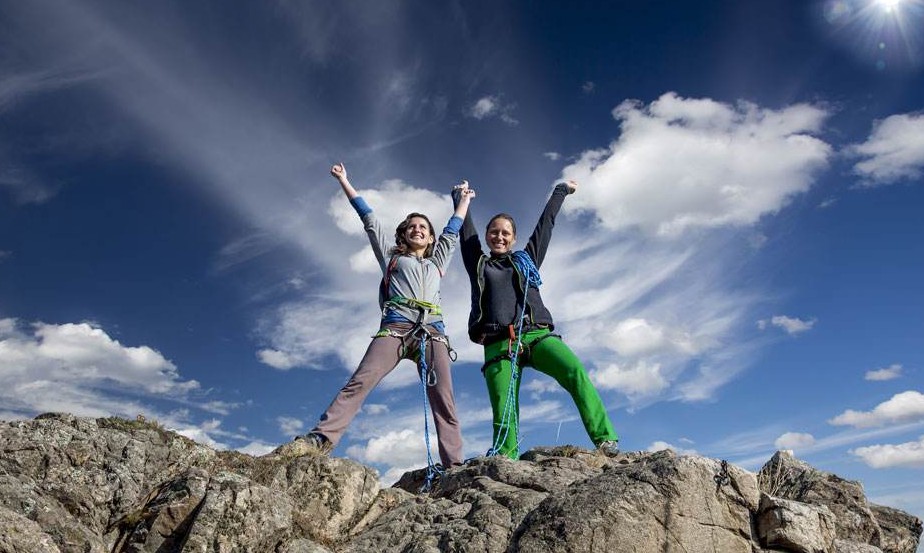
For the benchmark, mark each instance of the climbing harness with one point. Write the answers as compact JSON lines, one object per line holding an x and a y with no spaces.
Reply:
{"x":530,"y":277}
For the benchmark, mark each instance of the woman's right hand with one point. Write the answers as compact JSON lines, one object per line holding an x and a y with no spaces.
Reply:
{"x":338,"y":171}
{"x":461,"y":192}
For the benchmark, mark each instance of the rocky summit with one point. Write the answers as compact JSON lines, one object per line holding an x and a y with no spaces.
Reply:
{"x":70,"y":484}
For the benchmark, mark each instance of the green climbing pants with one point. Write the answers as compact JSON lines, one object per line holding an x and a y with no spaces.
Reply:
{"x":549,"y":355}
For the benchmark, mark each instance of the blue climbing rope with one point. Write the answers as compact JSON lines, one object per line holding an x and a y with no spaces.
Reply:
{"x":433,"y":472}
{"x":524,"y":263}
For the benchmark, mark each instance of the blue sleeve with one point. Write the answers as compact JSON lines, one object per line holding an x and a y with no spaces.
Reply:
{"x":453,"y":226}
{"x":360,"y":205}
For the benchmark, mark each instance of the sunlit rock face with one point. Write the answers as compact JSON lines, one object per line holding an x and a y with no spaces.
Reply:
{"x":111,"y":485}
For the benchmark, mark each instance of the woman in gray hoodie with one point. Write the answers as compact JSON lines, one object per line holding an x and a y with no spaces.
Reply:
{"x":411,"y":325}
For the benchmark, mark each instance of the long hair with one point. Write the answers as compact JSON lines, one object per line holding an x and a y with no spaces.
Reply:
{"x":401,"y":246}
{"x":508,"y":217}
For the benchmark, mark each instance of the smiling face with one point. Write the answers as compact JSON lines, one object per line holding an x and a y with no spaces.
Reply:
{"x":501,"y":235}
{"x":417,"y":235}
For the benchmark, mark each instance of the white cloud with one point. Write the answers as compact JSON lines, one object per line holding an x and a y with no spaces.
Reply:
{"x":794,"y":441}
{"x":396,"y":448}
{"x":637,"y":336}
{"x":887,"y":373}
{"x":484,"y":107}
{"x":901,"y":408}
{"x":894,"y":150}
{"x":25,"y":186}
{"x":588,"y":87}
{"x":257,"y":448}
{"x":661,"y":445}
{"x":539,"y":386}
{"x":243,"y":250}
{"x":85,"y":356}
{"x":391,"y":202}
{"x":682,"y":164}
{"x":908,"y":454}
{"x":827,"y":202}
{"x":792,"y":325}
{"x":15,"y":86}
{"x":78,"y":368}
{"x":276,"y":359}
{"x":218,"y":407}
{"x":290,"y":426}
{"x":552,"y":156}
{"x":634,"y":337}
{"x":202,"y":433}
{"x":637,"y":379}
{"x":375,"y":409}
{"x":492,"y":106}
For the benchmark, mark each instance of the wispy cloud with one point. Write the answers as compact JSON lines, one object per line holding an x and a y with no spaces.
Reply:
{"x":488,"y":107}
{"x":792,"y":325}
{"x":24,"y":186}
{"x":552,"y":156}
{"x":290,"y":426}
{"x":16,"y":86}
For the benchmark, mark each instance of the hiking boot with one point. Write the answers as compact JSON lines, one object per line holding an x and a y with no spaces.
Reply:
{"x":610,"y":448}
{"x":316,"y":442}
{"x":309,"y":444}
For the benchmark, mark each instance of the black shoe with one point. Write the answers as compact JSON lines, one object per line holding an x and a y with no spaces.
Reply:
{"x":316,"y":441}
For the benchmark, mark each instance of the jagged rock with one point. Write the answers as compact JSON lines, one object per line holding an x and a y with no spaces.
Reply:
{"x":789,"y":478}
{"x":239,"y":515}
{"x":18,"y":533}
{"x":795,"y":526}
{"x":847,"y":546}
{"x":659,"y":502}
{"x":328,"y":494}
{"x":857,"y":520}
{"x":109,"y":485}
{"x":900,"y":531}
{"x":164,"y":518}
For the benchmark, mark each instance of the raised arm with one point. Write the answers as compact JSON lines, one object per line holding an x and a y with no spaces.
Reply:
{"x":339,"y":172}
{"x":378,"y":238}
{"x":468,"y":237}
{"x":542,"y":234}
{"x":447,"y":241}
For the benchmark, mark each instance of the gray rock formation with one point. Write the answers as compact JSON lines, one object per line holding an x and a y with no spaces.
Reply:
{"x":69,"y":484}
{"x":795,"y":526}
{"x":856,"y":520}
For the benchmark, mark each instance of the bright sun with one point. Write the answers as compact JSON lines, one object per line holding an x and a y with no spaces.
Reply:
{"x":889,"y":4}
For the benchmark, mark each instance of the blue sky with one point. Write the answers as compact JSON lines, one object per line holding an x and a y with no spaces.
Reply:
{"x":740,"y":267}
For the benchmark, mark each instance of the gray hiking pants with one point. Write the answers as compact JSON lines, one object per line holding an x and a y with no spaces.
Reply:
{"x":381,"y":357}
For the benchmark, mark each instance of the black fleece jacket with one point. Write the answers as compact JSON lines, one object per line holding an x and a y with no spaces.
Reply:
{"x":496,"y":283}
